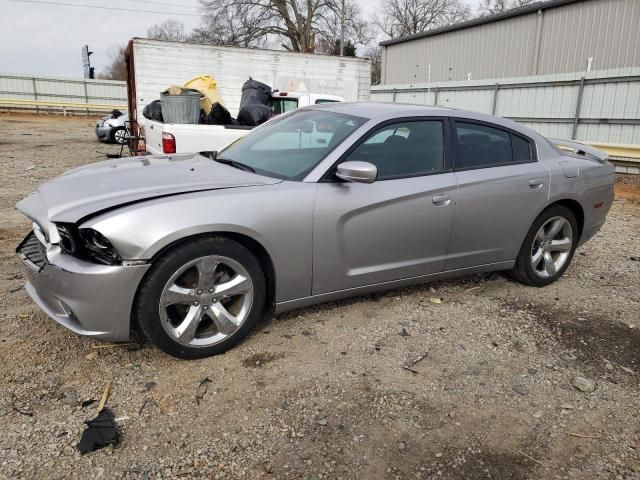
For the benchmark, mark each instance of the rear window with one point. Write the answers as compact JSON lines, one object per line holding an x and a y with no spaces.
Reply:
{"x":283,"y":105}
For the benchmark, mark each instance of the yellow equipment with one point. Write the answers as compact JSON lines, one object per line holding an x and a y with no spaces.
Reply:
{"x":206,"y":85}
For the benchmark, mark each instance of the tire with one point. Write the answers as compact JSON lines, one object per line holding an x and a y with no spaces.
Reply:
{"x":551,"y":254}
{"x":118,"y":135}
{"x":187,"y":303}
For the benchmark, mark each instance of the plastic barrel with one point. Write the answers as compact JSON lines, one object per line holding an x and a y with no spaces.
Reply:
{"x":184,"y":108}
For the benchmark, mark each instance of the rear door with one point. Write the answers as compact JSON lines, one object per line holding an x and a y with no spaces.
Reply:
{"x":501,"y":189}
{"x":397,"y":227}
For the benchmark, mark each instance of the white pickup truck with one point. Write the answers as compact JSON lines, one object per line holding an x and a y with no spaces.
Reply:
{"x":180,"y":138}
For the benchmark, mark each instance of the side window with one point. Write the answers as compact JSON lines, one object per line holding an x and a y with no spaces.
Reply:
{"x":407,"y":149}
{"x":522,"y":149}
{"x":480,"y":146}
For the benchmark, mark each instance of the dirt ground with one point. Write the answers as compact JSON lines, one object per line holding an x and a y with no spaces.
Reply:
{"x":322,"y":392}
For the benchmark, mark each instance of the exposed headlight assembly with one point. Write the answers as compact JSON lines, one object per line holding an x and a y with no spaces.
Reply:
{"x":95,"y":246}
{"x":87,"y":244}
{"x":68,"y":236}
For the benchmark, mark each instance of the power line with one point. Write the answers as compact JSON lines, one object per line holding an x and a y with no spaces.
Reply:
{"x":63,"y":4}
{"x":165,"y":3}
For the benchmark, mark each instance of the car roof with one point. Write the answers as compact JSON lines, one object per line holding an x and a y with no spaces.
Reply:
{"x":380,"y":111}
{"x":375,"y":110}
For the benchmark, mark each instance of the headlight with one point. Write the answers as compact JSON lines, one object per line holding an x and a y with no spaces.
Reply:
{"x":87,"y":244}
{"x":68,"y":235}
{"x":95,"y":246}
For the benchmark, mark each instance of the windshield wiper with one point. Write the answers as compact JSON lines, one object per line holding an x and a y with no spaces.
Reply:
{"x":235,"y":164}
{"x":213,"y":155}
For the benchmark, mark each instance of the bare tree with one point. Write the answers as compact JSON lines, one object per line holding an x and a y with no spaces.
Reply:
{"x":331,"y":46}
{"x":116,"y":69}
{"x":344,"y":17}
{"x":399,"y":18}
{"x":374,"y":53}
{"x":171,"y":30}
{"x":298,"y":24}
{"x":234,"y":23}
{"x":491,"y":7}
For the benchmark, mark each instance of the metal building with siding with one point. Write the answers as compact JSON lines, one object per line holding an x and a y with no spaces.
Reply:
{"x":552,"y":37}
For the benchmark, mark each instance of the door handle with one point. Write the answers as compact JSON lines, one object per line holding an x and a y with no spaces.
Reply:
{"x":536,"y":183}
{"x":441,"y":200}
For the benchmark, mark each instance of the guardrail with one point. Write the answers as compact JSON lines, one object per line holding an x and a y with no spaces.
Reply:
{"x":64,"y":106}
{"x":626,"y":158}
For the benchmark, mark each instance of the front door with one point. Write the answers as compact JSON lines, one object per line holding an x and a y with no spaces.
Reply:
{"x":397,"y":227}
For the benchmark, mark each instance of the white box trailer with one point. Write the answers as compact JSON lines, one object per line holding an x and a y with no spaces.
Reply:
{"x":154,"y":65}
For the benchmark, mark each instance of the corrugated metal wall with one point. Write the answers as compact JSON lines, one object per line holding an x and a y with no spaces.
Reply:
{"x":62,"y":89}
{"x":606,"y":30}
{"x":608,"y":110}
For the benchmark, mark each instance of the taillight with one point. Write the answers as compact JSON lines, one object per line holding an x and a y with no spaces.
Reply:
{"x":168,"y":143}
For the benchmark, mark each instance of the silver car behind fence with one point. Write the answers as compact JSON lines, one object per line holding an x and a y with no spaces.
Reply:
{"x":318,"y":204}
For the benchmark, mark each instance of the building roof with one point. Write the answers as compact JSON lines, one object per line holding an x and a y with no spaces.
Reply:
{"x":515,"y":12}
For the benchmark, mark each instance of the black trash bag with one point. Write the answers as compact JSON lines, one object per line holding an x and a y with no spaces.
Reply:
{"x":153,"y":111}
{"x":254,"y":92}
{"x":253,"y":115}
{"x":220,"y":115}
{"x":100,"y":432}
{"x":204,"y":117}
{"x":116,"y":113}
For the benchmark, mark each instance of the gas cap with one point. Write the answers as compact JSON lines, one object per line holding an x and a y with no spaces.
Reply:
{"x":570,"y":171}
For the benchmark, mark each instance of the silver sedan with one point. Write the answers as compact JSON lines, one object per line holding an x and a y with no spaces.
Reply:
{"x":319,"y":204}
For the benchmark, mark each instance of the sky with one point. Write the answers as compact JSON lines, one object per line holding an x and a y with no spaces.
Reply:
{"x":45,"y":37}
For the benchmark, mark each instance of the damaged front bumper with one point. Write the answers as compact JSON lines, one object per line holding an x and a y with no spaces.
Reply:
{"x":103,"y":132}
{"x":89,"y":299}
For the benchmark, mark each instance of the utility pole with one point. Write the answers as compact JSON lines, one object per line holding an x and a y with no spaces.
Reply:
{"x":342,"y":15}
{"x":86,"y":62}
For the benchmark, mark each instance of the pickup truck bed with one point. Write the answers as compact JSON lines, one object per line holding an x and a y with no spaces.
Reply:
{"x":189,"y":138}
{"x":181,"y":138}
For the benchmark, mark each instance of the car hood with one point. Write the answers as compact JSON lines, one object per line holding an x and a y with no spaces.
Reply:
{"x":101,"y":186}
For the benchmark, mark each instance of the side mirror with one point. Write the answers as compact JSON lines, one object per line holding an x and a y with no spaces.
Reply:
{"x":355,"y":171}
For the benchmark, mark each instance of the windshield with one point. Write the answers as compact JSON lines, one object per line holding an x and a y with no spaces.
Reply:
{"x":291,"y":146}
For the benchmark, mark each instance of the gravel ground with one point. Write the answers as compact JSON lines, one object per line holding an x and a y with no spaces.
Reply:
{"x":322,"y":392}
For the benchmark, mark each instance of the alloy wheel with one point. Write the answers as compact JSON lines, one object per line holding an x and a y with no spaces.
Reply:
{"x":206,"y":301}
{"x":551,"y":247}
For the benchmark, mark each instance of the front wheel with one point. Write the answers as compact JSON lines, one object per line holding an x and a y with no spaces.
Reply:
{"x":119,"y":135}
{"x":201,"y":298}
{"x":548,"y":247}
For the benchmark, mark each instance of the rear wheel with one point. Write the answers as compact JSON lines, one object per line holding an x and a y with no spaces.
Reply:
{"x":201,"y":298}
{"x":548,"y":247}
